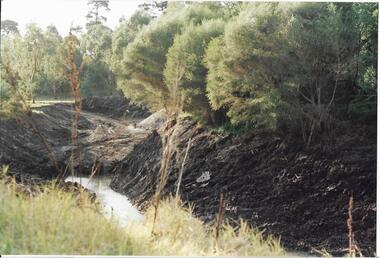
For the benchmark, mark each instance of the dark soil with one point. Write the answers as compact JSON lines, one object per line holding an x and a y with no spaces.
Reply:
{"x":102,"y":141}
{"x":277,"y":185}
{"x":21,"y":148}
{"x":115,"y":106}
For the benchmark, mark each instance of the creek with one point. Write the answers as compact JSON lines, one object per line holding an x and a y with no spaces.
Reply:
{"x":113,"y":204}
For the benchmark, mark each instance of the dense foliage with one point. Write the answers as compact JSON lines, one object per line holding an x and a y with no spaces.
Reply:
{"x":185,"y":71}
{"x":285,"y":67}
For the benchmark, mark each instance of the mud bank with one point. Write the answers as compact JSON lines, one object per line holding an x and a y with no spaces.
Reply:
{"x":275,"y":184}
{"x":114,"y":106}
{"x":102,"y":140}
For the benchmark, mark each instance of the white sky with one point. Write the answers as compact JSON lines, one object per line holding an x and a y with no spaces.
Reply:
{"x":61,"y":13}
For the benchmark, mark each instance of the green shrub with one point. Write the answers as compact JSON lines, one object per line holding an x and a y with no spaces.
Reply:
{"x":185,"y":71}
{"x":145,"y":58}
{"x":246,"y":67}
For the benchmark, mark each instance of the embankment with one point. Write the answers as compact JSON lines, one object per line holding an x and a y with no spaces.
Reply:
{"x":103,"y":140}
{"x":277,"y":185}
{"x":115,"y":106}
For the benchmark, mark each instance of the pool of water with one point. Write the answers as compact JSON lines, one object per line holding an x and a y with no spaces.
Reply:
{"x":114,"y":204}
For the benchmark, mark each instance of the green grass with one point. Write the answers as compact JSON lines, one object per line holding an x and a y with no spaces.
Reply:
{"x":58,"y":222}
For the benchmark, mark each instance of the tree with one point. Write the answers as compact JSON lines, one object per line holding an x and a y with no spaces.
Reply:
{"x":54,"y":82}
{"x":9,"y":102}
{"x":246,"y":68}
{"x":321,"y":71}
{"x":154,"y":8}
{"x":366,"y":21}
{"x":292,"y":67}
{"x":97,"y":42}
{"x":97,"y":78}
{"x":31,"y":59}
{"x":127,"y":31}
{"x":124,"y":35}
{"x":76,"y":29}
{"x":145,"y":58}
{"x":185,"y":71}
{"x":93,"y":16}
{"x":9,"y":26}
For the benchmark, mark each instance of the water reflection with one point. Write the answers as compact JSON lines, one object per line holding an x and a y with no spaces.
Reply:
{"x":114,"y":204}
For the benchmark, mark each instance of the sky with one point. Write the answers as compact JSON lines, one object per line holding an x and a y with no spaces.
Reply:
{"x":61,"y":13}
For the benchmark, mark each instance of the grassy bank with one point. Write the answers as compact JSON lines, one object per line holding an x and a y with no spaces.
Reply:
{"x":57,"y":222}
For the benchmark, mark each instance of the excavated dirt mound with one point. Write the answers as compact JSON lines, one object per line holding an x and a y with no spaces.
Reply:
{"x":154,"y":121}
{"x":276,"y":185}
{"x":102,"y":140}
{"x":115,"y":106}
{"x":23,"y":150}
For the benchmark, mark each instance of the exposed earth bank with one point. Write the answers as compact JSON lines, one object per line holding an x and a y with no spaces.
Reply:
{"x":103,"y":141}
{"x":115,"y":106}
{"x":277,"y":185}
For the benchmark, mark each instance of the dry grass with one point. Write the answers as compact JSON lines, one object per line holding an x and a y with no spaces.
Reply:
{"x":178,"y":232}
{"x":56,"y":222}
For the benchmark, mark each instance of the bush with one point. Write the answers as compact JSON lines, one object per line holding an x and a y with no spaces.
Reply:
{"x":246,"y":67}
{"x":125,"y":34}
{"x":185,"y":71}
{"x":146,"y":56}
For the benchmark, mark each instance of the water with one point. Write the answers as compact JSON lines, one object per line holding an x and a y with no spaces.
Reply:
{"x":114,"y":204}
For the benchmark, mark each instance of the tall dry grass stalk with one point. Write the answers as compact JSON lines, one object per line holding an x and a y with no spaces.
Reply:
{"x":164,"y":169}
{"x":169,"y":142}
{"x":182,"y":168}
{"x":94,"y":170}
{"x":352,"y":245}
{"x":219,"y":216}
{"x":72,"y":75}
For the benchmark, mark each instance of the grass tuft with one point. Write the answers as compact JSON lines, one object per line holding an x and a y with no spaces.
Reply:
{"x":178,"y":232}
{"x":55,"y":222}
